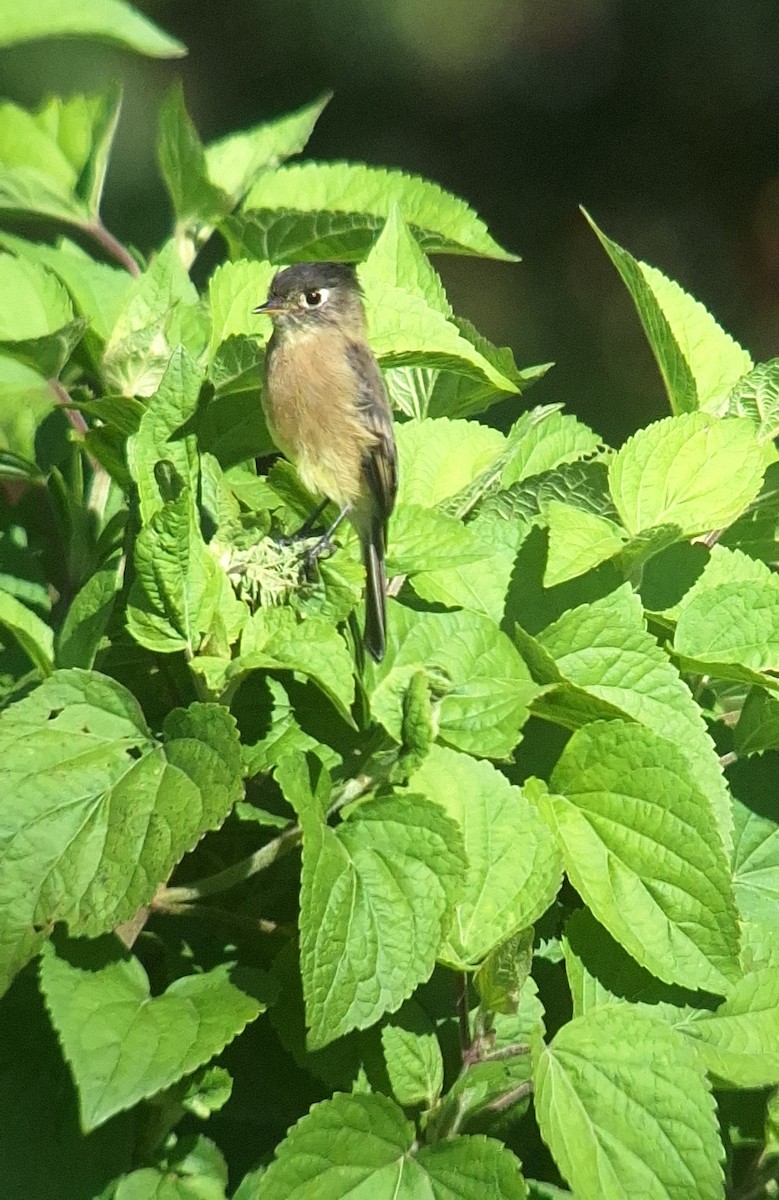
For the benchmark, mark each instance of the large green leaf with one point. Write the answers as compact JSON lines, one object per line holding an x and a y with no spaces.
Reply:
{"x":756,"y":867}
{"x":605,"y":650}
{"x":514,"y":867}
{"x":234,"y":290}
{"x":481,"y":686}
{"x":623,"y":1104}
{"x":97,"y":288}
{"x":698,"y":361}
{"x":439,"y":458}
{"x":578,"y":541}
{"x":736,"y":622}
{"x":122,"y":1044}
{"x":176,"y":590}
{"x":335,"y":209}
{"x":160,"y":437}
{"x":109,"y":20}
{"x":739,"y":1043}
{"x":537,"y":445}
{"x":160,"y":312}
{"x":692,"y":471}
{"x":376,"y":897}
{"x":53,"y":161}
{"x":639,"y":845}
{"x":96,"y":812}
{"x":413,"y":1056}
{"x":235,"y":162}
{"x":195,"y":199}
{"x":87,"y":618}
{"x":362,"y":1146}
{"x":25,"y":399}
{"x":34,"y":636}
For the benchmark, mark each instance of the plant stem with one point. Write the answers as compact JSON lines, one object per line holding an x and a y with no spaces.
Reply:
{"x":461,"y":983}
{"x":287,"y":840}
{"x":224,"y":880}
{"x":112,"y":246}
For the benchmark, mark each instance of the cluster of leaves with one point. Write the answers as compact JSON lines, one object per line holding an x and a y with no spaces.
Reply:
{"x":513,"y":891}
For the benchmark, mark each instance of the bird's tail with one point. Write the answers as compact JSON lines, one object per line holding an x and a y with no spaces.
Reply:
{"x":375,"y":633}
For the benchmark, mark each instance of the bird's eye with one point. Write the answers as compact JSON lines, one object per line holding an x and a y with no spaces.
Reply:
{"x":314,"y":298}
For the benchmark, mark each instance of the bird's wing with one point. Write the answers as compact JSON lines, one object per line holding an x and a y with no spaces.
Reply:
{"x":380,"y":463}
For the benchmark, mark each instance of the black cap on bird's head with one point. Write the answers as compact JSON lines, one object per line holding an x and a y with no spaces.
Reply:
{"x":314,"y":293}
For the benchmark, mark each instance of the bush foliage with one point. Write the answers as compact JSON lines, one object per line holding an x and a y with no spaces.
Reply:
{"x":276,"y":921}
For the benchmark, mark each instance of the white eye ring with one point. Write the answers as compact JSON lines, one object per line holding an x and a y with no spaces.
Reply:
{"x":314,"y":297}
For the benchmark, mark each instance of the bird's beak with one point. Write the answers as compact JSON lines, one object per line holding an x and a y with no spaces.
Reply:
{"x":272,"y":305}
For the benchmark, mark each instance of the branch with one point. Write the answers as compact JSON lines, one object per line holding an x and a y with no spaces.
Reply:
{"x":112,"y":245}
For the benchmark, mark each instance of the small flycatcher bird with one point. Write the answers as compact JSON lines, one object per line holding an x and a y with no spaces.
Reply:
{"x":328,"y":412}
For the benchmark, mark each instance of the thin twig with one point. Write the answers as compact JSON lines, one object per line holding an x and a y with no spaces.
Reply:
{"x":211,"y":913}
{"x":461,"y":984}
{"x":508,"y":1098}
{"x":230,"y":876}
{"x":287,"y":840}
{"x":112,"y":246}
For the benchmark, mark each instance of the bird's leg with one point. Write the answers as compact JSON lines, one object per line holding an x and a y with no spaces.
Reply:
{"x":325,"y":543}
{"x":305,"y":529}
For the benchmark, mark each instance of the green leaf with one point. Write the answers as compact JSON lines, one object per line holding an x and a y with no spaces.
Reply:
{"x":756,"y":867}
{"x":732,"y":623}
{"x":405,"y":331}
{"x":692,"y":471}
{"x":604,"y":649}
{"x":441,"y":457}
{"x":235,"y":162}
{"x":123,"y":1045}
{"x":362,"y":1145}
{"x":738,"y":1043}
{"x":160,"y":312}
{"x":698,"y":361}
{"x":38,"y":1099}
{"x":274,"y":639}
{"x":397,"y":260}
{"x":88,"y":616}
{"x":41,"y":304}
{"x":176,"y":589}
{"x":95,"y":812}
{"x":480,"y":586}
{"x":756,"y":395}
{"x":504,"y":972}
{"x":757,"y":728}
{"x":481,"y":687}
{"x":578,"y":541}
{"x":376,"y":897}
{"x":38,"y":329}
{"x":109,"y":20}
{"x":234,"y":290}
{"x":623,"y":1104}
{"x":413,"y":1056}
{"x":535,"y":446}
{"x":159,"y":437}
{"x":96,"y":288}
{"x":426,"y":539}
{"x":514,"y":867}
{"x":365,"y":196}
{"x":34,"y":636}
{"x":639,"y":847}
{"x":196,"y":200}
{"x":54,"y":160}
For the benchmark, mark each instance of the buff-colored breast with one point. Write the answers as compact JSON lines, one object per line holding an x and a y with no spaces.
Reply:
{"x":310,"y":403}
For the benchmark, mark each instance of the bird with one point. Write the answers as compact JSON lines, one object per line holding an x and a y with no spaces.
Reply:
{"x":328,"y":412}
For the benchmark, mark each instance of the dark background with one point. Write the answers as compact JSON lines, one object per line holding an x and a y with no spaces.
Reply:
{"x":660,"y":116}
